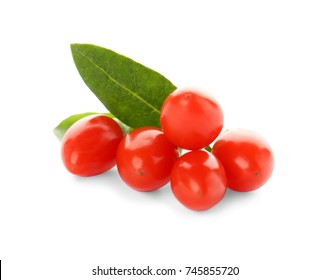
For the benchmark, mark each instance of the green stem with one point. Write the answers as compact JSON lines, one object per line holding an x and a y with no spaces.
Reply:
{"x":208,"y":148}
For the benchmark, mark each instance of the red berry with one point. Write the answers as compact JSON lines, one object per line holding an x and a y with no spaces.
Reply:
{"x":89,"y":146}
{"x":190,"y":119}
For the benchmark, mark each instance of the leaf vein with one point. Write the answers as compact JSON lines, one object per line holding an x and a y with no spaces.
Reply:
{"x":134,"y":94}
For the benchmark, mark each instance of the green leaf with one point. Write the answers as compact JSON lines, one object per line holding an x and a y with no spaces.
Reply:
{"x":64,"y":125}
{"x":129,"y":90}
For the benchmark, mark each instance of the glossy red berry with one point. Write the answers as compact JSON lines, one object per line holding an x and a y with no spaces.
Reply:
{"x":198,"y":180}
{"x":191,"y":119}
{"x":145,"y":158}
{"x":247,"y":158}
{"x":89,"y":146}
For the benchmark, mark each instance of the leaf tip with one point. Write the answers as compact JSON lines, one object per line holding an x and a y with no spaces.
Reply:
{"x":59,"y":135}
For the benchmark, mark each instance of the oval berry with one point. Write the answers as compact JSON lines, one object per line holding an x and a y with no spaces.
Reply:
{"x":89,"y":146}
{"x":145,"y":158}
{"x":198,"y":180}
{"x":247,"y":158}
{"x":190,"y":119}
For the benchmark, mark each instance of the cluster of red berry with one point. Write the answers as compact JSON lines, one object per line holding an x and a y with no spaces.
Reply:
{"x":147,"y":158}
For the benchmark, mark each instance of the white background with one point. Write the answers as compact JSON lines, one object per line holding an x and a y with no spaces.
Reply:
{"x":267,"y":63}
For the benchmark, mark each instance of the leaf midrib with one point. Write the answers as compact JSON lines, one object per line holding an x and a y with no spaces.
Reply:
{"x":119,"y":84}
